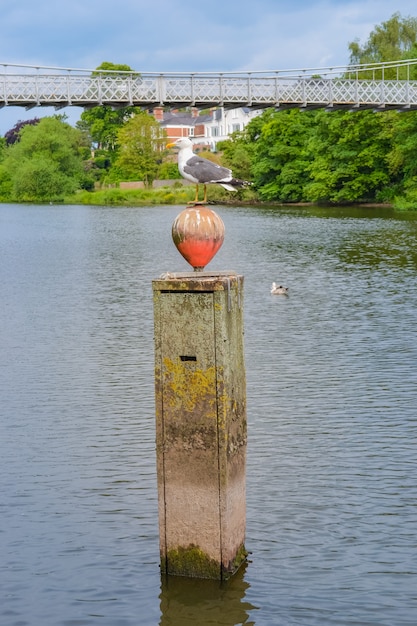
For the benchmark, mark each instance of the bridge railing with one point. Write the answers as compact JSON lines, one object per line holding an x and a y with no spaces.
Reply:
{"x":321,"y":87}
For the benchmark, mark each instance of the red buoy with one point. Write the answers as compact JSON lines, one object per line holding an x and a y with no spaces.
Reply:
{"x":198,"y":233}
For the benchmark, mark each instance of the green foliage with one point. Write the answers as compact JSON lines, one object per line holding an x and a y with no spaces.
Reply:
{"x":282,"y":158}
{"x":411,"y":74}
{"x":103,"y":123}
{"x":46,"y":163}
{"x":402,"y":160}
{"x":348,"y":157}
{"x":408,"y":200}
{"x":402,"y":157}
{"x":389,"y":41}
{"x":114,"y":69}
{"x":41,"y":180}
{"x":102,"y":159}
{"x":13,"y":134}
{"x":135,"y":197}
{"x":6,"y":185}
{"x":141,"y":142}
{"x":168,"y":171}
{"x":237,"y":155}
{"x":337,"y":157}
{"x":392,"y":40}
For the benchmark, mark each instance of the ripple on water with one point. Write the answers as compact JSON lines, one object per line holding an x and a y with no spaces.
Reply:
{"x":331,"y":381}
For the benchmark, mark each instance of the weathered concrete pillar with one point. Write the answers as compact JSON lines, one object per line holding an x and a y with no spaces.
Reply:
{"x":200,"y":423}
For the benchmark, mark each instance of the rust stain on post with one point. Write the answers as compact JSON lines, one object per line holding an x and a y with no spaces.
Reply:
{"x":200,"y":392}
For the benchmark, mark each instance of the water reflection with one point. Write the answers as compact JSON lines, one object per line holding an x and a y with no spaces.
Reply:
{"x":193,"y":602}
{"x":385,"y":248}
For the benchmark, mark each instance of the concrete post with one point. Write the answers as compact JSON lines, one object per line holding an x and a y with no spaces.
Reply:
{"x":200,"y":392}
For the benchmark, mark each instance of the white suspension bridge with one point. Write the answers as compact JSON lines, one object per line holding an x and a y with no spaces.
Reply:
{"x":376,"y":86}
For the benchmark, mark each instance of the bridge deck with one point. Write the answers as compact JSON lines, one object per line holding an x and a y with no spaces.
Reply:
{"x":257,"y":90}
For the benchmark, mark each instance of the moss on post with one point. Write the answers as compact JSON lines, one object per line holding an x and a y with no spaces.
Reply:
{"x":200,"y":393}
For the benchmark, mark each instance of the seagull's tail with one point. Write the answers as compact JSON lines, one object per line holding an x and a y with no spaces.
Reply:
{"x":235,"y":183}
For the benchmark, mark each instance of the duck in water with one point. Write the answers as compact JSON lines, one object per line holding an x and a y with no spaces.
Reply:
{"x":279,"y":290}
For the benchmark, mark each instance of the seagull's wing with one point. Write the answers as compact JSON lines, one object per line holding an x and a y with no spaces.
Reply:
{"x":206,"y":171}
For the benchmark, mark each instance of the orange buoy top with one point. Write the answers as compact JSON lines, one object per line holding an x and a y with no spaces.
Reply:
{"x":198,"y":233}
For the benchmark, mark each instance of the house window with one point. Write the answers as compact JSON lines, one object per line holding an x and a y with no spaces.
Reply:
{"x":214,"y":131}
{"x":191,"y":132}
{"x":235,"y":127}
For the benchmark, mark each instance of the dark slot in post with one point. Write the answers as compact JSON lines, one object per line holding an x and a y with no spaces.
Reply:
{"x":186,"y":357}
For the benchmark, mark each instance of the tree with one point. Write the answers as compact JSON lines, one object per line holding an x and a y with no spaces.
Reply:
{"x":237,"y":154}
{"x":393,"y":40}
{"x":281,"y":155}
{"x":114,"y":69}
{"x":6,"y":185}
{"x":103,"y":122}
{"x":141,"y":143}
{"x":13,"y":134}
{"x":402,"y":158}
{"x":47,"y":163}
{"x":348,"y":153}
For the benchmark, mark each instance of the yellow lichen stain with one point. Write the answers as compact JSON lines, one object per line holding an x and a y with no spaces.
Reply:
{"x":191,"y":387}
{"x":217,"y":306}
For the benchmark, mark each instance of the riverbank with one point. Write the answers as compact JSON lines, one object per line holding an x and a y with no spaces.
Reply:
{"x":179,"y":194}
{"x":173,"y":194}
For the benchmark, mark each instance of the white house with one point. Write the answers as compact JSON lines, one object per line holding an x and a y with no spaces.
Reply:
{"x":205,"y":130}
{"x":224,"y":122}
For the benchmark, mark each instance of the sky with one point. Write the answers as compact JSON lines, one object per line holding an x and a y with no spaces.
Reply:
{"x":198,"y":35}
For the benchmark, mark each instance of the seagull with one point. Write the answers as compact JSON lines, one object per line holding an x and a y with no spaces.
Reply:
{"x":279,"y":290}
{"x":202,"y":171}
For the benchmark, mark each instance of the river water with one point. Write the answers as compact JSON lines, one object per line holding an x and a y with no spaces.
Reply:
{"x":332,"y":419}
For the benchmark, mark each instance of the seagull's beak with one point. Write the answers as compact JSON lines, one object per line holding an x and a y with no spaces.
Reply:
{"x":170,"y":145}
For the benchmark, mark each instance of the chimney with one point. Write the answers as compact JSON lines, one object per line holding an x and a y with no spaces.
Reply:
{"x":158,"y":113}
{"x":194,"y":112}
